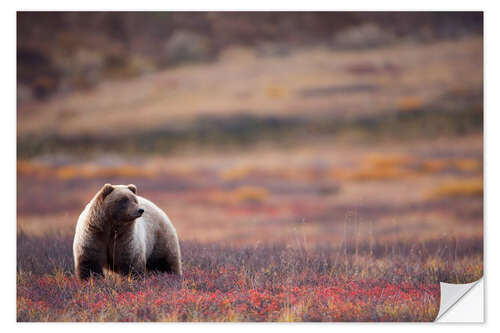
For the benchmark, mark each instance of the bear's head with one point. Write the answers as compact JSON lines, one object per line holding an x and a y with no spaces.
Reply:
{"x":120,"y":203}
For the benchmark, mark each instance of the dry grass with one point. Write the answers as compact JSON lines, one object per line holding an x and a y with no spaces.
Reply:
{"x":253,"y":283}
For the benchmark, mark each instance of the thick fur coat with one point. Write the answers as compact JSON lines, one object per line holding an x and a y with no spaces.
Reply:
{"x":125,"y":233}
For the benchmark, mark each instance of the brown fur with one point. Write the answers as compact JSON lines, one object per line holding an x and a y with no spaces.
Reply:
{"x":112,"y":234}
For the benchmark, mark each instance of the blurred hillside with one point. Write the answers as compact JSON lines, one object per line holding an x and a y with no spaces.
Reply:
{"x":60,"y":52}
{"x":173,"y":82}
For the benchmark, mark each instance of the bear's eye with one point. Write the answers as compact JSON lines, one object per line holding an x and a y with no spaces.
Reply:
{"x":123,"y":201}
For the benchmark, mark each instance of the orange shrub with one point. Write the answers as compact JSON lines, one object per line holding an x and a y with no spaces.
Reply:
{"x":249,"y":194}
{"x":465,"y":165}
{"x":68,"y":172}
{"x":383,"y":173}
{"x":236,"y":173}
{"x":434,"y":165}
{"x":468,"y":165}
{"x":394,"y":160}
{"x":93,"y":171}
{"x":32,"y":169}
{"x":458,"y":188}
{"x":410,"y":103}
{"x":379,"y":167}
{"x":276,"y":92}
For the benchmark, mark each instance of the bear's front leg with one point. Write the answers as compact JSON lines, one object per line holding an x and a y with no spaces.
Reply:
{"x":134,"y":268}
{"x":138,"y":269}
{"x":89,"y":260}
{"x":84,"y":269}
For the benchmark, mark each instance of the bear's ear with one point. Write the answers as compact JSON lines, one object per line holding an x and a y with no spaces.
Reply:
{"x":132,"y":188}
{"x":106,"y":189}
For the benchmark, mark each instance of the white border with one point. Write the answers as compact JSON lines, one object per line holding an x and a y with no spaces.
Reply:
{"x":492,"y":139}
{"x":280,"y":5}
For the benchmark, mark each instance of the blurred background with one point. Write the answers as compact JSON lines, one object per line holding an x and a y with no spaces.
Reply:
{"x":251,"y":127}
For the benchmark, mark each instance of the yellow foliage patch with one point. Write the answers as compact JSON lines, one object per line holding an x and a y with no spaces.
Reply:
{"x":458,"y":188}
{"x":32,"y":169}
{"x":84,"y":171}
{"x":382,"y":167}
{"x":235,"y":173}
{"x":434,"y":165}
{"x":465,"y":165}
{"x":89,"y":171}
{"x":468,"y":165}
{"x":249,"y":194}
{"x":277,"y":92}
{"x":410,"y":103}
{"x":379,"y":167}
{"x":384,"y":161}
{"x":381,"y":174}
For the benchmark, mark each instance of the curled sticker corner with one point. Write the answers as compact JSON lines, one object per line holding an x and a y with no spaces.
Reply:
{"x":451,"y":294}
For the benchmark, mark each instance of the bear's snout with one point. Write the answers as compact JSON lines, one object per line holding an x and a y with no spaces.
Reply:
{"x":140,"y":211}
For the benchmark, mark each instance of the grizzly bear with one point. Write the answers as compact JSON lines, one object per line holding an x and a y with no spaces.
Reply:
{"x":124,"y":233}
